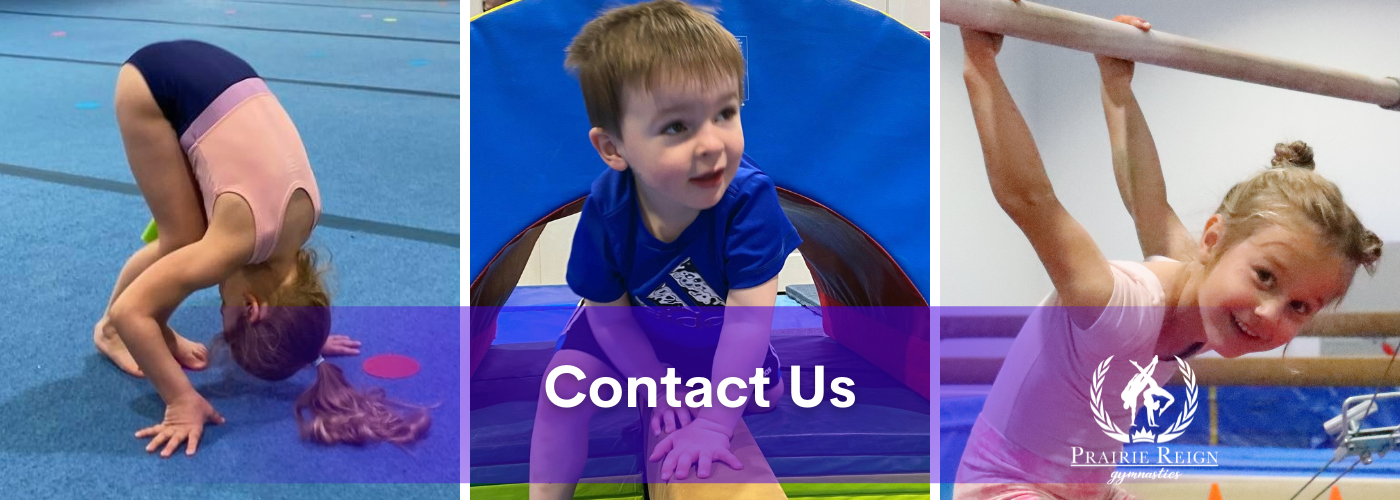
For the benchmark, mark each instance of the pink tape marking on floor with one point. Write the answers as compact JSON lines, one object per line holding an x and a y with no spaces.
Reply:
{"x":391,"y":366}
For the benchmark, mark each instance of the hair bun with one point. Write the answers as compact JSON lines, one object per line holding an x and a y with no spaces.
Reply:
{"x":1295,"y":154}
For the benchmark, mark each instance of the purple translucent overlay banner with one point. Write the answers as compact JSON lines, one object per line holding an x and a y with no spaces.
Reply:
{"x":846,"y":389}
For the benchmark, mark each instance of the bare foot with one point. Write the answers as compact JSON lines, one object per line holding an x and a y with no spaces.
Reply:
{"x":110,"y":345}
{"x":192,"y":355}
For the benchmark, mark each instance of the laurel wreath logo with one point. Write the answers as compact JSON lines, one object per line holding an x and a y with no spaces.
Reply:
{"x":1101,"y":416}
{"x":1111,"y":429}
{"x":1184,"y":419}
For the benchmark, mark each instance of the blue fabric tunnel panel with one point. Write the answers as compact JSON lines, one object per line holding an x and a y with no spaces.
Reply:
{"x":836,"y":111}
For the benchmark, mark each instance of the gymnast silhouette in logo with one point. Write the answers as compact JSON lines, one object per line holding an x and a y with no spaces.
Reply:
{"x":1143,"y":384}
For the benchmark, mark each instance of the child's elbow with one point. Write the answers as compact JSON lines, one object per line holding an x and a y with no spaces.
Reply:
{"x":1027,"y":205}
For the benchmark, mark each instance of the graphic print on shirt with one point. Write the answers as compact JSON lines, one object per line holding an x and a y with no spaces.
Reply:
{"x":663,"y":296}
{"x":688,"y":277}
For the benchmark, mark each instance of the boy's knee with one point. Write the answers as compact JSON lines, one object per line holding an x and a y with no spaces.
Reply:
{"x":564,"y":388}
{"x":549,"y":414}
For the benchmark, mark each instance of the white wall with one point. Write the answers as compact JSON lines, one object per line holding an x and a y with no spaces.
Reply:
{"x":913,"y":13}
{"x":1210,"y":133}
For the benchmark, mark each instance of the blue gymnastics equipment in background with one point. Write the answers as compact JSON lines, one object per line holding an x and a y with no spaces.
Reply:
{"x":837,"y":110}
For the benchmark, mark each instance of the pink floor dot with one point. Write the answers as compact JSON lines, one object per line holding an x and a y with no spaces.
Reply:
{"x":59,"y":34}
{"x":230,"y":12}
{"x":391,"y":366}
{"x":366,"y":16}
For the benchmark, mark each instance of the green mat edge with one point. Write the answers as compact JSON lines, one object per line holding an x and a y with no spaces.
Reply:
{"x":633,"y":491}
{"x":583,"y":491}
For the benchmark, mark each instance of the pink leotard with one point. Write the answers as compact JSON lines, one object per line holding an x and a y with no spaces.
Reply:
{"x":244,"y":143}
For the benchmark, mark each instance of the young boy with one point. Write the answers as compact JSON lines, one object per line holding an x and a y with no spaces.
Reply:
{"x":680,"y":222}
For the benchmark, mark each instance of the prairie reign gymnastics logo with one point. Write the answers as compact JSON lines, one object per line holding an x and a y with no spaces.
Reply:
{"x":1142,"y":388}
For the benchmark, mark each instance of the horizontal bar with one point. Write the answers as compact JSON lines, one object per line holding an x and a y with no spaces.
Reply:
{"x":1087,"y":33}
{"x":1351,"y":324}
{"x":1311,"y":372}
{"x":1362,"y":324}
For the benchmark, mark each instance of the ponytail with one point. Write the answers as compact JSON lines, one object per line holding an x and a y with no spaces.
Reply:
{"x":332,"y":411}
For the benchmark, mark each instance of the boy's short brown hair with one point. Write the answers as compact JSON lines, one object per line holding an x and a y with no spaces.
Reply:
{"x":662,"y":41}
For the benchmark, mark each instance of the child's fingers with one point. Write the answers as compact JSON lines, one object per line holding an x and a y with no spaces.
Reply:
{"x":668,"y":466}
{"x":728,"y":458}
{"x":661,"y":449}
{"x":173,"y":444}
{"x":194,"y":442}
{"x":158,"y":440}
{"x":1135,"y":21}
{"x":683,"y":463}
{"x":344,"y":341}
{"x":149,"y":431}
{"x":702,"y":469}
{"x":684,"y":415}
{"x":670,"y":419}
{"x":655,"y":423}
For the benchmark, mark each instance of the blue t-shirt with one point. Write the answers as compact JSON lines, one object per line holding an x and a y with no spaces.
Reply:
{"x":741,"y":242}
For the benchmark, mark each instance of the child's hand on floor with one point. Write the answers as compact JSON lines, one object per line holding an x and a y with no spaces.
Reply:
{"x":184,"y":421}
{"x":702,"y":442}
{"x":340,"y":345}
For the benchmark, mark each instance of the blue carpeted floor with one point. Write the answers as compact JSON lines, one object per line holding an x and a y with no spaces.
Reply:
{"x":376,"y":102}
